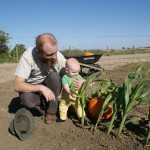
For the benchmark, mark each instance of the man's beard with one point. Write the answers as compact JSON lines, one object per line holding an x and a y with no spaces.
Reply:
{"x":49,"y":62}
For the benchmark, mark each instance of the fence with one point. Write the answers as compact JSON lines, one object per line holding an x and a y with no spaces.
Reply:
{"x":11,"y":56}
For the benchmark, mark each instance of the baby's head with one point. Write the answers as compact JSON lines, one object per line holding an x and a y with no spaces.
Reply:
{"x":72,"y":67}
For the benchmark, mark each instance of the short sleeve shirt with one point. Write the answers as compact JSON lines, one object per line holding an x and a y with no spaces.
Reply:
{"x":33,"y":70}
{"x":68,"y":80}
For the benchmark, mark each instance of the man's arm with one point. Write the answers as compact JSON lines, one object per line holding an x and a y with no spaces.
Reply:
{"x":21,"y":86}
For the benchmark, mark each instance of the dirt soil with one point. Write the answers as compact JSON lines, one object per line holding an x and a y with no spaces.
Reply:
{"x":67,"y":135}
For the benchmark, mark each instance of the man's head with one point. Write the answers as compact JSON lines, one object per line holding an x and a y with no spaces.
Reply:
{"x":72,"y":67}
{"x":46,"y":45}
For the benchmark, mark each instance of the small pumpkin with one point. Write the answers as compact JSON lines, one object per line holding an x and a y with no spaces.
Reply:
{"x":95,"y":106}
{"x":88,"y":54}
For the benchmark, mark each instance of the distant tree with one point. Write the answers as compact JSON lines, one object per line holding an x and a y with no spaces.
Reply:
{"x":17,"y":51}
{"x":4,"y":39}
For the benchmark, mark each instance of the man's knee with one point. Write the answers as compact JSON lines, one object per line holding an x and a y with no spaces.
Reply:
{"x":30,"y":100}
{"x":53,"y":77}
{"x":53,"y":82}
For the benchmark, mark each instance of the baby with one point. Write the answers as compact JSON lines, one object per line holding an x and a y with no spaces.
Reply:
{"x":69,"y":98}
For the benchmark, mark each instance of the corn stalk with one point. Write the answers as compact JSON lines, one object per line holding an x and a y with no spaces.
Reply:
{"x":104,"y":106}
{"x":133,"y":94}
{"x":81,"y":95}
{"x":148,"y":135}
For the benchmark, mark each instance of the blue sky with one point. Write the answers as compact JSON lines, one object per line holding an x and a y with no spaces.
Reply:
{"x":82,"y":24}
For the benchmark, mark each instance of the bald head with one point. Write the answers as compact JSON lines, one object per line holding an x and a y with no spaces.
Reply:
{"x":73,"y":64}
{"x":46,"y":42}
{"x":45,"y":38}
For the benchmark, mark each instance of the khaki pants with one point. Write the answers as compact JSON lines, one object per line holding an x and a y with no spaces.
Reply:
{"x":65,"y":103}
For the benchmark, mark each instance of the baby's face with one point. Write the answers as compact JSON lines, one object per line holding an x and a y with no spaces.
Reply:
{"x":72,"y":72}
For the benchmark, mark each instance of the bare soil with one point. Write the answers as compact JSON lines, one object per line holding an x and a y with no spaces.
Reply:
{"x":68,"y":135}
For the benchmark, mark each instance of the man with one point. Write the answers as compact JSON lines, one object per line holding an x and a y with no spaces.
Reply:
{"x":38,"y":75}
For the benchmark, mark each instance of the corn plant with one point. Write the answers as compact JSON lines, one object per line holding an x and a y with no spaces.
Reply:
{"x":148,"y":134}
{"x":81,"y":95}
{"x":102,"y":109}
{"x":118,"y":102}
{"x":133,"y":93}
{"x":127,"y":96}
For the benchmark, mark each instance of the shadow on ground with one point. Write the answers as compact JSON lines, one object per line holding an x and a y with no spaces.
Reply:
{"x":15,"y":105}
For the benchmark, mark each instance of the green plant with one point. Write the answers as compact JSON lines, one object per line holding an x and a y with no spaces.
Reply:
{"x":148,"y":134}
{"x":81,"y":95}
{"x":130,"y":94}
{"x":135,"y":92}
{"x":117,"y":103}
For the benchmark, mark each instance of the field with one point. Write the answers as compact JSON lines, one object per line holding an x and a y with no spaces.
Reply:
{"x":67,"y":135}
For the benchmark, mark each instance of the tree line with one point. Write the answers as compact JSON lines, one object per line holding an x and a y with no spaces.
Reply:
{"x":6,"y":54}
{"x":13,"y":55}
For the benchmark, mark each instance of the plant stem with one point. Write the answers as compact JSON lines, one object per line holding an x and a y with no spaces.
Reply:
{"x":148,"y":136}
{"x":98,"y":119}
{"x":122,"y":124}
{"x":111,"y":122}
{"x":82,"y":120}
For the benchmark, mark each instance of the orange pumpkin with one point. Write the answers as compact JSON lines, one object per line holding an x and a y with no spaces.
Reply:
{"x":95,"y":106}
{"x":88,"y":54}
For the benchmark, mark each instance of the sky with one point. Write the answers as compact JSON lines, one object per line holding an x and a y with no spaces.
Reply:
{"x":81,"y":24}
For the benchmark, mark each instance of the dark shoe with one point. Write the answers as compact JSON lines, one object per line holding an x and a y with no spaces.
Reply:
{"x":59,"y":120}
{"x":50,"y":118}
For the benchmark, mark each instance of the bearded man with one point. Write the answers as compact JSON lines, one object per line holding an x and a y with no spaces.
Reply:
{"x":38,"y":76}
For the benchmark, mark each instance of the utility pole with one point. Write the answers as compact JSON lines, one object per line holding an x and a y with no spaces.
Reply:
{"x":17,"y":59}
{"x":107,"y":51}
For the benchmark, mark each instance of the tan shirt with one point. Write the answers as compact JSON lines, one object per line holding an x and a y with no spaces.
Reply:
{"x":33,"y":70}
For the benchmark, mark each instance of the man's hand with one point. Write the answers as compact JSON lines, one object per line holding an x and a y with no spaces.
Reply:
{"x":48,"y":94}
{"x":78,"y":83}
{"x":21,"y":86}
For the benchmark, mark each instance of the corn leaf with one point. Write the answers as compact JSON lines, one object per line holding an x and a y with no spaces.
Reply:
{"x":73,"y":89}
{"x":137,"y":90}
{"x":89,"y":80}
{"x":108,"y":98}
{"x":145,"y":100}
{"x":145,"y":93}
{"x":148,"y":135}
{"x":93,"y":91}
{"x":133,"y":119}
{"x":127,"y":88}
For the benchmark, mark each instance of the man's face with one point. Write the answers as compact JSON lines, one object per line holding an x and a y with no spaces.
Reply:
{"x":48,"y":54}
